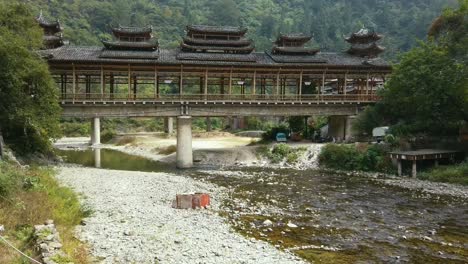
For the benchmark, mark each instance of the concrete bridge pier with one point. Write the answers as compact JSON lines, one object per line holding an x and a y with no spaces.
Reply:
{"x":95,"y":131}
{"x":184,"y":155}
{"x":339,"y":127}
{"x":169,"y":125}
{"x":208,"y":124}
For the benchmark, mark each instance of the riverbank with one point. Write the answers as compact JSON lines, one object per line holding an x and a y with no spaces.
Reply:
{"x":320,"y":215}
{"x":28,"y":197}
{"x":133,"y":221}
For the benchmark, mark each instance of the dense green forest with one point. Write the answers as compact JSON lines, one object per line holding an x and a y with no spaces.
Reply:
{"x":401,"y":21}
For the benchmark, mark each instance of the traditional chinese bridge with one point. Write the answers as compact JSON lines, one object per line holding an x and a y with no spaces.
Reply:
{"x":215,"y":72}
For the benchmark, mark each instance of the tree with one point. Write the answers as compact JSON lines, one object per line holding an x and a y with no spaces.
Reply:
{"x":226,"y":13}
{"x":29,"y":112}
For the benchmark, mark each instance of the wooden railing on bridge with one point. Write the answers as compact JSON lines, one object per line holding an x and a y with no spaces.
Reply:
{"x":291,"y":98}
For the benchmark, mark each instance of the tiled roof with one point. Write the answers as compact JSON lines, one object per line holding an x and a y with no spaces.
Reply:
{"x":151,"y":44}
{"x":69,"y":54}
{"x":187,"y":47}
{"x":293,"y":37}
{"x":366,"y":49}
{"x":45,"y":23}
{"x":363,"y":36}
{"x":129,"y":54}
{"x":294,"y":51}
{"x":217,"y":29}
{"x":217,"y":42}
{"x":215,"y":57}
{"x":132,"y":30}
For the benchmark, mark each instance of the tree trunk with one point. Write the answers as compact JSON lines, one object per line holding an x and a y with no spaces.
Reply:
{"x":1,"y":144}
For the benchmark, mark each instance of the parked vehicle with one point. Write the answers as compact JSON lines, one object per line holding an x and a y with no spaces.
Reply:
{"x":378,"y":133}
{"x":281,"y":137}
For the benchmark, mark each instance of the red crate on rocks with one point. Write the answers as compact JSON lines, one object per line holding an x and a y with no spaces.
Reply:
{"x":187,"y":201}
{"x":200,"y":200}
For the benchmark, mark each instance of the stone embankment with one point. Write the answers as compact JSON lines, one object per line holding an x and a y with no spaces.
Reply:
{"x":133,"y":221}
{"x":49,"y":244}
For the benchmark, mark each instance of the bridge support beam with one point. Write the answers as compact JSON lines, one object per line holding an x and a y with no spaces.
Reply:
{"x":169,"y":125}
{"x":208,"y":124}
{"x":340,"y":128}
{"x":184,"y":155}
{"x":95,"y":131}
{"x":349,"y":133}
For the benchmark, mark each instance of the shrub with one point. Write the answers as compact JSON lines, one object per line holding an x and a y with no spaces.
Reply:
{"x":125,"y":140}
{"x":9,"y":180}
{"x":281,"y":152}
{"x":450,"y":174}
{"x":107,"y":135}
{"x":167,"y":150}
{"x":350,"y":157}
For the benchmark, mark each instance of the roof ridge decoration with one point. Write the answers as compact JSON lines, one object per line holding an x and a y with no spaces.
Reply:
{"x":53,"y":37}
{"x":216,"y":39}
{"x":293,"y":44}
{"x":131,"y":42}
{"x":364,"y":43}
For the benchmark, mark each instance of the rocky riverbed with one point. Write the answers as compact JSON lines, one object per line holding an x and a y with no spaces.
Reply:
{"x":133,"y":222}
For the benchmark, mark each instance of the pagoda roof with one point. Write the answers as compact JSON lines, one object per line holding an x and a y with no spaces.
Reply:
{"x":121,"y":30}
{"x":298,"y":37}
{"x":217,"y":42}
{"x":294,"y":50}
{"x":217,"y":29}
{"x":369,"y":50}
{"x":151,"y":44}
{"x":364,"y":36}
{"x":203,"y":48}
{"x":45,"y":23}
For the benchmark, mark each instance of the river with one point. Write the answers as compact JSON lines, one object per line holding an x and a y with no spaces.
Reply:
{"x":325,"y":217}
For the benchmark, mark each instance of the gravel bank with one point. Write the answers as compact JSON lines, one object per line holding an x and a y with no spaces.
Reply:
{"x":133,"y":221}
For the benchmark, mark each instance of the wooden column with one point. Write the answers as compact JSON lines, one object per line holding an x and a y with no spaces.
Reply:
{"x":323,"y":85}
{"x":345,"y":83}
{"x":205,"y":85}
{"x":414,"y":171}
{"x":74,"y":82}
{"x":134,"y":87}
{"x":181,"y":79}
{"x":230,"y":82}
{"x":300,"y":85}
{"x":129,"y":82}
{"x":156,"y":85}
{"x":102,"y":82}
{"x":367,"y":85}
{"x":277,"y":82}
{"x":254,"y":82}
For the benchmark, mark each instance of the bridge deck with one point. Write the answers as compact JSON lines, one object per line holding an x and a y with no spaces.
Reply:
{"x":218,"y":98}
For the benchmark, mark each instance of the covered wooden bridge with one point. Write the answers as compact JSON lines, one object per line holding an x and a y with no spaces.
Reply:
{"x":214,"y":72}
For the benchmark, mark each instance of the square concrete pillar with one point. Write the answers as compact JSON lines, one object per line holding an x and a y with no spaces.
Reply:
{"x":184,"y":155}
{"x":414,"y":171}
{"x":95,"y":131}
{"x":169,"y":125}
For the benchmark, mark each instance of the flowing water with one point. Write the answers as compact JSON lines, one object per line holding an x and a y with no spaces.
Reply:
{"x":328,"y":217}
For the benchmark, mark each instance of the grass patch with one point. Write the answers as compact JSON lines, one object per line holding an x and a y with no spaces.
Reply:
{"x":352,"y":157}
{"x":450,"y":174}
{"x":281,"y":152}
{"x":125,"y":140}
{"x":166,"y":150}
{"x":29,"y":197}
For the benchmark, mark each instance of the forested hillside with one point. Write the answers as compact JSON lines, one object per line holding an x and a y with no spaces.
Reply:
{"x":402,"y":21}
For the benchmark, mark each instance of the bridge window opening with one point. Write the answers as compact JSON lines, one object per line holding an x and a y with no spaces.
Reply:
{"x":169,"y":86}
{"x":311,"y":85}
